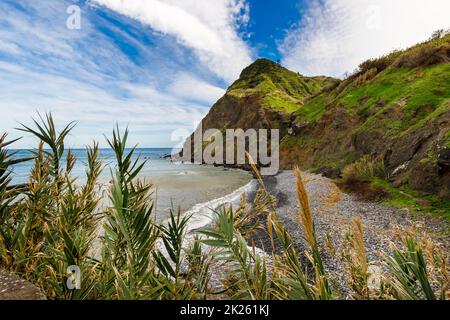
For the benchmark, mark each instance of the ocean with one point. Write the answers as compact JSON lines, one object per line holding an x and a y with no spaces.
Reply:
{"x":194,"y":188}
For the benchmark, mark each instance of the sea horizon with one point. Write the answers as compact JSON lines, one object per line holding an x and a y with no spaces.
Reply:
{"x":100,"y":148}
{"x":182,"y":184}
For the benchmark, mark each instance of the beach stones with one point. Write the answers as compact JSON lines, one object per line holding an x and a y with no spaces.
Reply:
{"x":12,"y":287}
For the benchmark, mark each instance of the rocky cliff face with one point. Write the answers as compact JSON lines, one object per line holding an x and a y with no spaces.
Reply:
{"x":395,"y":109}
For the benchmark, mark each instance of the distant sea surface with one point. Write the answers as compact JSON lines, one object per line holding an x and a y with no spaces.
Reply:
{"x":184,"y":185}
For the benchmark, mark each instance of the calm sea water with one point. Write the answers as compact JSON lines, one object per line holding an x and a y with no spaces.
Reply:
{"x":184,"y":185}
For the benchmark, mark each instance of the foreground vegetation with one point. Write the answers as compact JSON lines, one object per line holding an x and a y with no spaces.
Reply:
{"x":54,"y":222}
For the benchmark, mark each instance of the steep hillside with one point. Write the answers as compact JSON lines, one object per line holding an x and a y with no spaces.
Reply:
{"x":394,"y":110}
{"x":264,"y":96}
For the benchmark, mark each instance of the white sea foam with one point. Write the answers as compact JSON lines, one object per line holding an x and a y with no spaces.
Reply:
{"x":202,"y":214}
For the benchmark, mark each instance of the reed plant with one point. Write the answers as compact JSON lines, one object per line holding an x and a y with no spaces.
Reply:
{"x":356,"y":261}
{"x":53,"y":223}
{"x":417,"y":269}
{"x":248,"y":269}
{"x":307,"y":222}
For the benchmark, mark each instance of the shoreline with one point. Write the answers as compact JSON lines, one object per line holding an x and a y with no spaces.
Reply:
{"x":202,"y":214}
{"x":333,"y":212}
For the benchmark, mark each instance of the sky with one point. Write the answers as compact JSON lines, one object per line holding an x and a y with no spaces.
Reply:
{"x":157,"y":66}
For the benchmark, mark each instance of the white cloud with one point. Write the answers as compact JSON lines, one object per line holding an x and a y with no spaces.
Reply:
{"x":210,"y":28}
{"x":334,"y":36}
{"x":145,"y":110}
{"x":46,"y":67}
{"x":188,"y":87}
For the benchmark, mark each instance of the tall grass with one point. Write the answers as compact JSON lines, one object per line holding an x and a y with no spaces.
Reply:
{"x":307,"y":223}
{"x":417,"y":269}
{"x":249,"y":270}
{"x":356,"y":260}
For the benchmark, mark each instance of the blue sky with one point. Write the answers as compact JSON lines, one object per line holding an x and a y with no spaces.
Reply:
{"x":158,"y":65}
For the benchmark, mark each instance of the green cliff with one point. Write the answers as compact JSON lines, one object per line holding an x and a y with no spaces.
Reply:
{"x":394,"y":109}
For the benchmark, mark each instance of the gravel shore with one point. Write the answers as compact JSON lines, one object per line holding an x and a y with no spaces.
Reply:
{"x":334,"y":212}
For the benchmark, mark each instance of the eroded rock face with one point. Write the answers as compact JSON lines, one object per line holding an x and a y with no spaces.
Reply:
{"x":444,"y":160}
{"x":243,"y":113}
{"x":13,"y":287}
{"x":416,"y":158}
{"x":333,"y":142}
{"x":404,"y":149}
